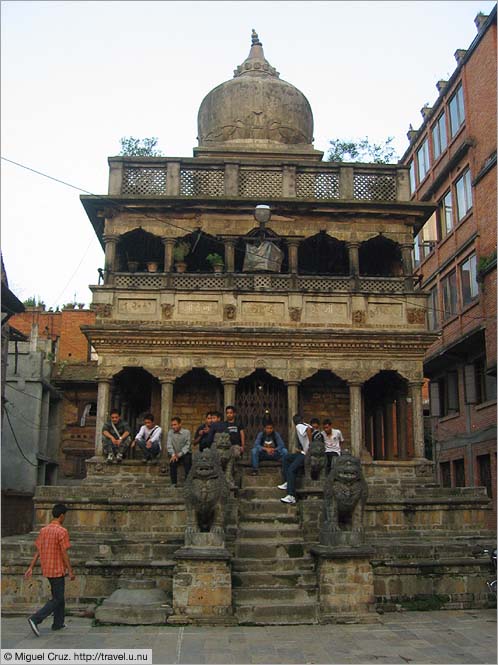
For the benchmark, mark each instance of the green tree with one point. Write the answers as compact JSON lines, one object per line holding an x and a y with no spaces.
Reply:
{"x":33,"y":301}
{"x":132,"y":147}
{"x":362,"y":150}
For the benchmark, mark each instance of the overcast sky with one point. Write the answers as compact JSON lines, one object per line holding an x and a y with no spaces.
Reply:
{"x":77,"y":76}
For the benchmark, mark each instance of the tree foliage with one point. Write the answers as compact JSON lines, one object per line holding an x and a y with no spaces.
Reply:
{"x":362,"y":150}
{"x":133,"y":147}
{"x":33,"y":301}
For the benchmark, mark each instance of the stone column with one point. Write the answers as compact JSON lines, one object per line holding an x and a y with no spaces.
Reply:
{"x":292,"y":409}
{"x":229,"y":393}
{"x":346,"y":182}
{"x":173,"y":179}
{"x":415,"y":389}
{"x":103,"y":406}
{"x":388,"y":429}
{"x":289,"y":182}
{"x":401,"y":414}
{"x":354,"y":263}
{"x":166,"y":405}
{"x":293,"y":256}
{"x":110,"y":257}
{"x":229,"y":255}
{"x":168,"y":243}
{"x":356,"y":415}
{"x":231,"y":179}
{"x":378,"y":417}
{"x":406,"y":254}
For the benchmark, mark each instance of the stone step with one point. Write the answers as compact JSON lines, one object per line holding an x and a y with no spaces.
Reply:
{"x":258,"y":531}
{"x":266,"y":507}
{"x":290,"y":517}
{"x":259,"y":596}
{"x":276,"y":614}
{"x":302,"y":564}
{"x":273,"y":579}
{"x":269,"y":549}
{"x":261,"y":493}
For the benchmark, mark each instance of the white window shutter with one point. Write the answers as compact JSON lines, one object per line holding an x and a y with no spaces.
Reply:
{"x":470,"y":384}
{"x":434,"y":398}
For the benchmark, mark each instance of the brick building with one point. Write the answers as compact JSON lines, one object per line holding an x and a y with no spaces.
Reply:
{"x":74,"y":375}
{"x":452,"y":161}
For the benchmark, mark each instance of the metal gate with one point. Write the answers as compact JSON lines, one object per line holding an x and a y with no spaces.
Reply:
{"x":256,"y":395}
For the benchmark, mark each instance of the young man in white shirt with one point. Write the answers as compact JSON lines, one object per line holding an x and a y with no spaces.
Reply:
{"x":149,"y":439}
{"x":292,"y":463}
{"x":333,"y":439}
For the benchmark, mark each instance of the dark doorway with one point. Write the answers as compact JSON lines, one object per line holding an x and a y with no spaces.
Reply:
{"x":194,"y":393}
{"x":325,"y":395}
{"x":380,"y":257}
{"x":258,"y":394}
{"x":134,"y":393}
{"x":323,"y":255}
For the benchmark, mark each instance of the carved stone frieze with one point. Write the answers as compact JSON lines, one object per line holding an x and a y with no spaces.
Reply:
{"x":295,"y":313}
{"x":102,"y":310}
{"x":229,"y":312}
{"x":359,"y":317}
{"x":415,"y":315}
{"x":167,"y":310}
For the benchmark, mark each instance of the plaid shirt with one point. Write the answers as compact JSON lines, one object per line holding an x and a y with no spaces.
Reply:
{"x":52,"y":540}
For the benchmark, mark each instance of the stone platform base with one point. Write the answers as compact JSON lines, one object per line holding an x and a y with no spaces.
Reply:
{"x":137,"y":602}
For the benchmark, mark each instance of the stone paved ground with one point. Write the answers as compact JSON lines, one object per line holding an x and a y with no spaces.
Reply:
{"x":408,"y":637}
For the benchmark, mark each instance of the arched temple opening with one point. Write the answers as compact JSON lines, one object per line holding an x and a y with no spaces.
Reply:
{"x":135,"y":391}
{"x":322,"y":254}
{"x":380,"y":257}
{"x":195,"y":393}
{"x":325,"y":395}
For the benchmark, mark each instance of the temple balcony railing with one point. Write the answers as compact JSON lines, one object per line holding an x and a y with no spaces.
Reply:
{"x":257,"y":282}
{"x":160,"y":176}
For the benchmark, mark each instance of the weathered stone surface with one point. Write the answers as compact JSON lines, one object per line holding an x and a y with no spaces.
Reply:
{"x":202,"y":588}
{"x":135,"y":602}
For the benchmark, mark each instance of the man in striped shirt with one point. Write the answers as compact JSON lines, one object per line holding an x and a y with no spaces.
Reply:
{"x":52,"y":545}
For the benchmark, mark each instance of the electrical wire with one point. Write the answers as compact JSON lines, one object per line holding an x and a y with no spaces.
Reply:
{"x":17,"y":442}
{"x":126,"y":208}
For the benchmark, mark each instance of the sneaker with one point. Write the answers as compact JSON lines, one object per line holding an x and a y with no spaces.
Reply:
{"x":110,"y":458}
{"x":119,"y":458}
{"x":34,"y":627}
{"x":288,"y":499}
{"x":59,"y":627}
{"x":283,"y":486}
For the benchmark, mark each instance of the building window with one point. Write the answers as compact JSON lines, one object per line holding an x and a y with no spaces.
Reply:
{"x":439,"y":138}
{"x":445,"y":215}
{"x":416,"y":251}
{"x":89,"y":414}
{"x":413,"y":184}
{"x":468,"y":278}
{"x":485,"y":384}
{"x":464,"y":195}
{"x":459,"y":472}
{"x":444,"y":397}
{"x":449,"y":287}
{"x":445,"y":470}
{"x":433,"y":309}
{"x":457,"y":111}
{"x":423,"y":160}
{"x":485,"y":480}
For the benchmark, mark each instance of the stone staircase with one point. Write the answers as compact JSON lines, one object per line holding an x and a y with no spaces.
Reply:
{"x":273,"y":576}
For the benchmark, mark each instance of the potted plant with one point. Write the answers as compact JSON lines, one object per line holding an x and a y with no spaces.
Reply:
{"x":132,"y":265}
{"x":216,"y":262}
{"x":180,"y":251}
{"x":152,"y":266}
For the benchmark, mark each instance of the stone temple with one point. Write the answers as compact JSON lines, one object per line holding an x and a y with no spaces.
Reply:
{"x":314,"y":310}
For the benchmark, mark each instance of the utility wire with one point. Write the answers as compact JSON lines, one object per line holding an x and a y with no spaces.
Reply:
{"x":126,"y":208}
{"x":17,"y":442}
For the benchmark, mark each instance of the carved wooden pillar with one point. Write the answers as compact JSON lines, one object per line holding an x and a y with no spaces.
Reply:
{"x":110,"y":241}
{"x":415,"y":389}
{"x":354,"y":263}
{"x":168,"y":243}
{"x":388,"y":429}
{"x":292,"y":410}
{"x":103,"y":406}
{"x":378,"y":452}
{"x":166,"y":406}
{"x":293,"y":256}
{"x":406,"y":254}
{"x":401,"y":415}
{"x":229,"y":255}
{"x":356,"y":415}
{"x":229,"y":393}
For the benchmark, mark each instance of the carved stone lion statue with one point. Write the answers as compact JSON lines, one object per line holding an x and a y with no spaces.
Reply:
{"x":206,"y":495}
{"x":344,"y":496}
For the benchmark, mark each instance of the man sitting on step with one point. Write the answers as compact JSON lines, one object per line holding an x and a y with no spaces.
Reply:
{"x":292,"y":463}
{"x":149,"y":439}
{"x":268,"y":445}
{"x":115,"y":438}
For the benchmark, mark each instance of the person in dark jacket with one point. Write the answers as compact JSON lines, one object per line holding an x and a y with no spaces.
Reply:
{"x":268,"y":445}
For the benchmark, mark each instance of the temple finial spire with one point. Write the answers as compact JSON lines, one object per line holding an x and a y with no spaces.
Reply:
{"x":255,"y":39}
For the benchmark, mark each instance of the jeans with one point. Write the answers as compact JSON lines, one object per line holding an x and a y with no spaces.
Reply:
{"x":290,"y":466}
{"x":55,"y":605}
{"x":259,"y":453}
{"x":330,"y":461}
{"x":149,"y":453}
{"x":186,"y":460}
{"x":109,"y":447}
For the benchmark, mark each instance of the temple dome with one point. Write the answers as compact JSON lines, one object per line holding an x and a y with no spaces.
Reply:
{"x":255,"y":110}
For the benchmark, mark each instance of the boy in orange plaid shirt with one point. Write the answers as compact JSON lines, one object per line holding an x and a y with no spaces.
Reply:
{"x":52,"y":545}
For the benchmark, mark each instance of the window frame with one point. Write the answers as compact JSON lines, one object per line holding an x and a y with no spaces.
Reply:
{"x":433,"y":309}
{"x":466,"y":190}
{"x":450,"y":280}
{"x":456,"y":111}
{"x":439,"y":138}
{"x":445,"y":214}
{"x":424,"y":151}
{"x":473,"y":284}
{"x":412,"y":179}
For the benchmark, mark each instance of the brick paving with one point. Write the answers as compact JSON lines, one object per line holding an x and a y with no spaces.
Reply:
{"x":456,"y":636}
